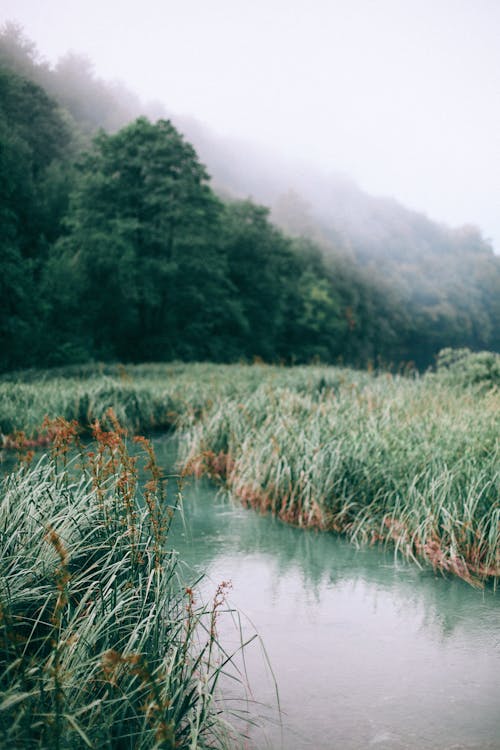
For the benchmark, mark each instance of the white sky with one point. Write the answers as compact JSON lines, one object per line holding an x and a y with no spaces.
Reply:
{"x":403,"y":95}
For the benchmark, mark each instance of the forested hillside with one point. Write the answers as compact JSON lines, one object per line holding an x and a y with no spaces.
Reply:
{"x":115,"y":245}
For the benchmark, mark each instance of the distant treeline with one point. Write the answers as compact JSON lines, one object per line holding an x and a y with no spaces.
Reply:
{"x":114,"y":246}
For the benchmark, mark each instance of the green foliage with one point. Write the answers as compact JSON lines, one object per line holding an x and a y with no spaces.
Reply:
{"x":101,"y":641}
{"x":261,"y":266}
{"x":145,"y":397}
{"x":33,"y":138}
{"x":118,"y":249}
{"x":407,"y":461}
{"x":463,"y":367}
{"x":140,"y":246}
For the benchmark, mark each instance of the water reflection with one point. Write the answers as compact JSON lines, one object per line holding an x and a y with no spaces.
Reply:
{"x":215,"y":527}
{"x":368,"y":651}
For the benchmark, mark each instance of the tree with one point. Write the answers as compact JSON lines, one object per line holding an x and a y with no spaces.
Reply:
{"x":142,"y":236}
{"x":262,"y":268}
{"x":33,"y":140}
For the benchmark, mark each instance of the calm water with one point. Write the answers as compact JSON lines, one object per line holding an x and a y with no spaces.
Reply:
{"x":367,"y":652}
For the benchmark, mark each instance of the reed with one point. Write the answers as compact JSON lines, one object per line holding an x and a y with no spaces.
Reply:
{"x":408,"y":461}
{"x":144,"y":397}
{"x":102,"y":643}
{"x":414,"y":463}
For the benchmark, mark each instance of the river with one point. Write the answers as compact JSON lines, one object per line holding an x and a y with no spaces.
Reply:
{"x":367,"y":651}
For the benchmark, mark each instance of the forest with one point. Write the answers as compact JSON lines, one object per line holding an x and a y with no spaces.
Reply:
{"x":117,"y":247}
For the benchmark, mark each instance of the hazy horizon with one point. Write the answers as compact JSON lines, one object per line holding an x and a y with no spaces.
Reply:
{"x":402,"y":97}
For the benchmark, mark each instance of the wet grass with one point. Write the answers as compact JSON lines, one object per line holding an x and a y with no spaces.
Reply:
{"x":144,"y":397}
{"x":412,"y":462}
{"x":102,"y":642}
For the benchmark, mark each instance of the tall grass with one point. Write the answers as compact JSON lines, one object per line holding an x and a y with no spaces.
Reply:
{"x":411,"y":463}
{"x":144,"y":397}
{"x":102,"y":645}
{"x":407,"y":461}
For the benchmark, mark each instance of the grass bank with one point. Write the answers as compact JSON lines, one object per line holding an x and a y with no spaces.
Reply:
{"x":145,"y":397}
{"x":102,"y":643}
{"x":412,"y":462}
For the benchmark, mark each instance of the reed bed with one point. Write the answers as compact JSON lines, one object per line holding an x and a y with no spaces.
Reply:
{"x":414,"y":463}
{"x":408,"y":461}
{"x":143,"y":397}
{"x":102,"y":643}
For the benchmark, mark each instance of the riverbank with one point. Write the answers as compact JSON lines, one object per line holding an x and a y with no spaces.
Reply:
{"x":412,"y":462}
{"x":367,"y":649}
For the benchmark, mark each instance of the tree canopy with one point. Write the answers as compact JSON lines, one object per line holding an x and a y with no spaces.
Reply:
{"x":117,"y":247}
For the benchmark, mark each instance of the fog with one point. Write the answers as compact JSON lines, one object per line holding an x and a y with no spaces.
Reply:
{"x":404,"y":97}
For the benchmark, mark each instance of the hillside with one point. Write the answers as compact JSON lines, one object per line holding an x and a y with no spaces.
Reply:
{"x":350,"y":277}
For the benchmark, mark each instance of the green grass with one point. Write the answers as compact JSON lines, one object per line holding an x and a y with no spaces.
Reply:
{"x":144,"y":397}
{"x":412,"y":462}
{"x":102,"y":643}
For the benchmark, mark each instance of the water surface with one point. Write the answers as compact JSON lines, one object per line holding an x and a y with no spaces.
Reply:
{"x":368,"y":651}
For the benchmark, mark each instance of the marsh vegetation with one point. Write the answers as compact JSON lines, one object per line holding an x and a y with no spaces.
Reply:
{"x":408,"y":461}
{"x":103,"y":641}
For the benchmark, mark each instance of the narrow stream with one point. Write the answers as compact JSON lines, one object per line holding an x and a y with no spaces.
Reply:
{"x":367,"y":651}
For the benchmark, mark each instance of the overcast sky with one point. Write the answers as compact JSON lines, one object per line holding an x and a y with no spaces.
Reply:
{"x":403,"y":95}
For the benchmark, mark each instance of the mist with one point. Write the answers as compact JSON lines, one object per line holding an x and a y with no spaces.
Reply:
{"x":401,"y":97}
{"x":374,"y":279}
